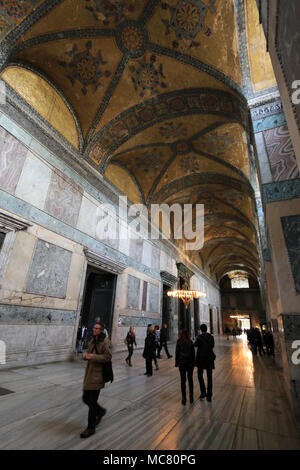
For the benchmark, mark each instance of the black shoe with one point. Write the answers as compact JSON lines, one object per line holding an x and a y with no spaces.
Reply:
{"x":87,"y":433}
{"x":158,"y":357}
{"x":202,"y":396}
{"x":183,"y":401}
{"x":208,"y":398}
{"x":169,"y":357}
{"x":191,"y":399}
{"x":127,"y":360}
{"x":130,"y":365}
{"x":100,"y":416}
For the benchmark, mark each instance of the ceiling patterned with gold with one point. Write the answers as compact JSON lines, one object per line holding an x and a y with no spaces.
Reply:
{"x":150,"y":93}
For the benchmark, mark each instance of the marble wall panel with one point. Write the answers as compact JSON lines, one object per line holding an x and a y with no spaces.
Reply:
{"x":12,"y":158}
{"x":153,"y":300}
{"x":136,"y":249}
{"x":87,"y":218}
{"x":49,"y":336}
{"x":17,"y":338}
{"x":155,"y":258}
{"x":144,"y":298}
{"x":64,"y":198}
{"x":107,"y":228}
{"x":133,"y":292}
{"x":49,"y":270}
{"x":281,"y":154}
{"x":291,"y":230}
{"x":34,"y":181}
{"x":147,"y":253}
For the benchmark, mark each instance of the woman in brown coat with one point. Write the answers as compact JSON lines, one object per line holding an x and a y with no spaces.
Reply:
{"x":99,"y":351}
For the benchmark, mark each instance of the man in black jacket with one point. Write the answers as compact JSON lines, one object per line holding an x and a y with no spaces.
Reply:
{"x":205,"y":360}
{"x":163,"y":341}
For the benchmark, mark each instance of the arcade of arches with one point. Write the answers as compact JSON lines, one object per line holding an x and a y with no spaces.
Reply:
{"x":164,"y":102}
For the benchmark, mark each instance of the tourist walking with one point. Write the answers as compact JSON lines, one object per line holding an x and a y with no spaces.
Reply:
{"x":257,"y":342}
{"x":163,"y":341}
{"x":269,"y":342}
{"x":185,"y":361}
{"x":130,"y":340}
{"x":205,"y":360}
{"x":157,"y":339}
{"x":149,"y":350}
{"x":98,"y":352}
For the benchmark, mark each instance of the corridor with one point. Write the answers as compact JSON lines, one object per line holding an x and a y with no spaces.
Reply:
{"x":249,"y":408}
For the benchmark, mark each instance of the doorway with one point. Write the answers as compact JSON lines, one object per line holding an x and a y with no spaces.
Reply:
{"x":98,"y":301}
{"x":211,"y":321}
{"x":196,"y":317}
{"x":166,"y":310}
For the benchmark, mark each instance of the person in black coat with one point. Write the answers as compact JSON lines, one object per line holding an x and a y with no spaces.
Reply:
{"x":185,"y":360}
{"x":149,"y":350}
{"x":269,"y":342}
{"x":163,"y":341}
{"x":205,"y":359}
{"x":130,"y":340}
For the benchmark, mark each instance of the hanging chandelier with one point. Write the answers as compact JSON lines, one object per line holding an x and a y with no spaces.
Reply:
{"x":186,"y":295}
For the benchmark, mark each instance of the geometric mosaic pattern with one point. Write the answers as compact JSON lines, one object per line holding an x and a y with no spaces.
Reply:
{"x":281,"y":154}
{"x":291,"y":230}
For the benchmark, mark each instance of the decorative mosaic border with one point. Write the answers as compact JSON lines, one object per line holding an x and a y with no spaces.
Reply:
{"x":280,"y":57}
{"x":17,"y":314}
{"x":281,"y":191}
{"x":244,"y":55}
{"x":138,"y":321}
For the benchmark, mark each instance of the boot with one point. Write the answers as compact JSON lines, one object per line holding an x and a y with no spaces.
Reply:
{"x":87,"y":433}
{"x":100,"y":416}
{"x":183,"y":401}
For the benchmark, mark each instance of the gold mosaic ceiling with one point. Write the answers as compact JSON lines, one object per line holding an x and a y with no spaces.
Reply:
{"x":149,"y":93}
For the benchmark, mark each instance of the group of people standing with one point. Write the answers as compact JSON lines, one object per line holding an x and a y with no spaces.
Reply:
{"x":257,"y":341}
{"x":186,"y":360}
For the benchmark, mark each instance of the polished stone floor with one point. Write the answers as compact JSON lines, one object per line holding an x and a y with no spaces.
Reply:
{"x":249,"y":408}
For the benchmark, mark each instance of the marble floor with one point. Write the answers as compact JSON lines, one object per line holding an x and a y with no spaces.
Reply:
{"x":249,"y":408}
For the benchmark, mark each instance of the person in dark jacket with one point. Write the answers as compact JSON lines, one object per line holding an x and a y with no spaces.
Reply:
{"x":268,"y":342}
{"x":163,"y":341}
{"x":257,"y":342}
{"x":130,"y":340}
{"x":185,"y":360}
{"x":149,"y":350}
{"x":205,"y":359}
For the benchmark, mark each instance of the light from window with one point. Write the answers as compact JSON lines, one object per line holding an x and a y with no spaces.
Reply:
{"x":240,"y":283}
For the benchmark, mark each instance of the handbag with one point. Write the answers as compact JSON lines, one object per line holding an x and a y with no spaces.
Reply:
{"x":108,"y":375}
{"x":107,"y":371}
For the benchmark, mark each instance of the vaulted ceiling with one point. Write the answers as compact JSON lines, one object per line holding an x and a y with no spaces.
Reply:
{"x":151,"y":94}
